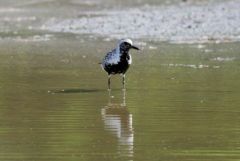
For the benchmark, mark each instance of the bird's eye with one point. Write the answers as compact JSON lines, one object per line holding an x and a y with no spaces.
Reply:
{"x":126,"y":44}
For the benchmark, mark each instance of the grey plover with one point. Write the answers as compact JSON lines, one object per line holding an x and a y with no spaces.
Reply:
{"x":118,"y":60}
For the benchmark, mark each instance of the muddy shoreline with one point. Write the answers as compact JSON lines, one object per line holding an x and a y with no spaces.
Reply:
{"x":181,"y":23}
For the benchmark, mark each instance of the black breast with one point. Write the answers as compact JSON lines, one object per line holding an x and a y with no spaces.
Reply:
{"x":119,"y":68}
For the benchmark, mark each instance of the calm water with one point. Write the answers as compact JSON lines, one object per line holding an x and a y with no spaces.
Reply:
{"x":181,"y":103}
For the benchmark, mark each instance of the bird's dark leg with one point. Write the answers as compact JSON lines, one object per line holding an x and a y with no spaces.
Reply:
{"x":109,"y":98}
{"x":124,"y":98}
{"x":123,"y":81}
{"x":109,"y":81}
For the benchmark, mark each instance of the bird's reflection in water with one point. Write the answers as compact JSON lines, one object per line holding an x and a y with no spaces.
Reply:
{"x":118,"y":121}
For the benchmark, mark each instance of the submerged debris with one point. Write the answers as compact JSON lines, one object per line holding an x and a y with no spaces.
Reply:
{"x":221,"y":59}
{"x":194,"y":66}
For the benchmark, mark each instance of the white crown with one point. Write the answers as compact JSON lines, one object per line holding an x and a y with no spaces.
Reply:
{"x":126,"y":40}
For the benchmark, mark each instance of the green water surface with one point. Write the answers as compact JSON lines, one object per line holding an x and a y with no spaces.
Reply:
{"x":181,"y":103}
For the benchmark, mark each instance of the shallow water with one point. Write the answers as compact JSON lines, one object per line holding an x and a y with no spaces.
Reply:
{"x":181,"y":103}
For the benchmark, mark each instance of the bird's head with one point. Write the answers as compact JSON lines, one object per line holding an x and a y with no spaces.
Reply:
{"x":127,"y":44}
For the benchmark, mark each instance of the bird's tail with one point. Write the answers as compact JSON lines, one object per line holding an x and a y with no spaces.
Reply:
{"x":100,"y":63}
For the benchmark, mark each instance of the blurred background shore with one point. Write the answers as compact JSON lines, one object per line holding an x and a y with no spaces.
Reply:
{"x":187,"y":21}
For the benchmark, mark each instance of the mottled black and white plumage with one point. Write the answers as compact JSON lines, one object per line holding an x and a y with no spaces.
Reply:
{"x":118,"y":60}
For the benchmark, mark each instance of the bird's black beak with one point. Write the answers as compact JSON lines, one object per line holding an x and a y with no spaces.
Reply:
{"x":134,"y":47}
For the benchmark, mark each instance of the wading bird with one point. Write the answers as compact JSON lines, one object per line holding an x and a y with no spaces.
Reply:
{"x":118,"y":60}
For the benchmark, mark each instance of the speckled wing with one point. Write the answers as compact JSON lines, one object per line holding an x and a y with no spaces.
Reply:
{"x":111,"y":58}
